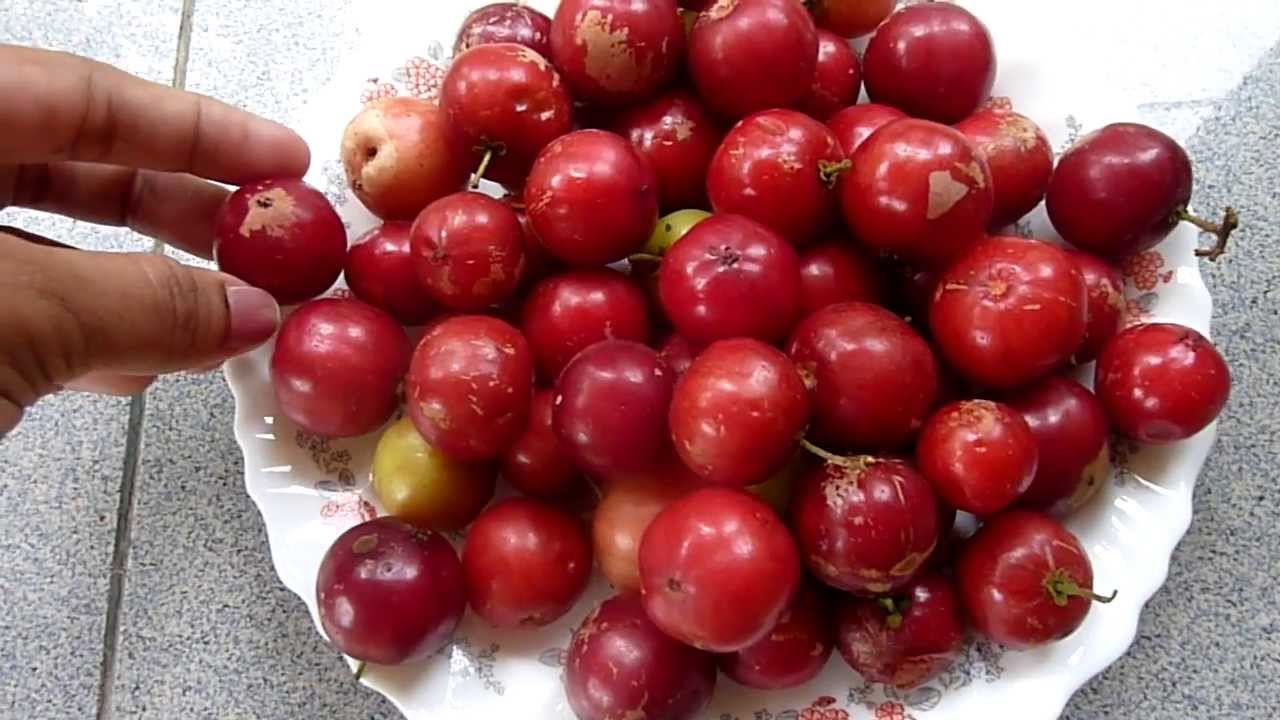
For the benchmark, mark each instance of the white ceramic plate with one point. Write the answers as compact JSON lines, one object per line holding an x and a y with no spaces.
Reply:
{"x":309,"y":490}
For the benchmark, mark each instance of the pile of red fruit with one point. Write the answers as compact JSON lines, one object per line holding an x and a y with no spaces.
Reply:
{"x":773,"y":400}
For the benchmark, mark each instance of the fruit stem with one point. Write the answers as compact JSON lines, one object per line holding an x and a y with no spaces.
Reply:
{"x":360,"y":668}
{"x":1062,"y":588}
{"x":474,"y":182}
{"x":826,"y":455}
{"x":644,"y":257}
{"x":1221,"y":231}
{"x":829,"y":171}
{"x":894,"y":612}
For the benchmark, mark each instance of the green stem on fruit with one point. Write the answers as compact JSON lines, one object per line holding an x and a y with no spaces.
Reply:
{"x":1062,"y":588}
{"x":360,"y":668}
{"x":480,"y":171}
{"x":644,"y":258}
{"x":1221,"y":231}
{"x":893,"y":609}
{"x":826,"y":455}
{"x":830,"y":171}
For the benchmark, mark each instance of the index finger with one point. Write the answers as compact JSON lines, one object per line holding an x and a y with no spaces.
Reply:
{"x":78,"y":109}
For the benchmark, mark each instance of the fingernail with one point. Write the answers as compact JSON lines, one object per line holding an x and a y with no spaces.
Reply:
{"x":254,"y":317}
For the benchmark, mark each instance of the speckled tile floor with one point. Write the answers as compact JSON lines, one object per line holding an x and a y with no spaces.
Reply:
{"x":203,"y":628}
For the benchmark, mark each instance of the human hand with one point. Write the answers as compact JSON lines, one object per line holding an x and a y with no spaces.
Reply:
{"x":86,"y":140}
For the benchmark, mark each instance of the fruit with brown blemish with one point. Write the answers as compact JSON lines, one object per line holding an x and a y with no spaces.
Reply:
{"x":280,"y":235}
{"x":980,"y":456}
{"x":424,"y":487}
{"x":678,"y":137}
{"x":566,"y":313}
{"x":794,"y":651}
{"x":1070,"y":427}
{"x":837,"y":79}
{"x":616,"y":53}
{"x":1104,"y":316}
{"x":1019,"y":155}
{"x":380,"y":272}
{"x":468,"y":250}
{"x":505,"y":22}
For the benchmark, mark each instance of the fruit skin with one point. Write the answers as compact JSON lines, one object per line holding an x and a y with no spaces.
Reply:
{"x":918,"y":190}
{"x":336,"y":367}
{"x":400,"y":154}
{"x":671,"y":228}
{"x":677,"y":135}
{"x":380,"y":272}
{"x":424,"y":487}
{"x":865,"y":524}
{"x":835,"y":272}
{"x":505,"y":23}
{"x":617,"y":53}
{"x":677,"y":353}
{"x":1016,"y":578}
{"x":851,"y":18}
{"x":730,"y":277}
{"x":280,"y":235}
{"x":1071,"y":431}
{"x":903,"y":65}
{"x":1009,"y":311}
{"x":1161,"y":382}
{"x":855,"y":124}
{"x":566,"y":313}
{"x":620,"y":664}
{"x":737,"y":411}
{"x":794,"y":651}
{"x":1104,"y":313}
{"x":873,"y":379}
{"x":1118,"y":190}
{"x":1019,"y":154}
{"x":619,"y":523}
{"x":906,"y":639}
{"x":718,"y":569}
{"x":505,"y":98}
{"x":591,"y":198}
{"x":468,"y":251}
{"x":537,"y":463}
{"x":837,"y":80}
{"x":726,"y":47}
{"x":389,"y":593}
{"x":469,"y":386}
{"x":779,"y":168}
{"x":980,"y":456}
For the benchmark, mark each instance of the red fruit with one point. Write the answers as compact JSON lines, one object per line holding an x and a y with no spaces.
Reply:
{"x":678,"y":137}
{"x":918,"y":190}
{"x":1104,"y":312}
{"x":779,"y":168}
{"x":1019,"y":155}
{"x":468,"y":250}
{"x":737,"y":411}
{"x":611,"y":408}
{"x":537,"y":464}
{"x":380,"y":272}
{"x":620,"y":521}
{"x":1161,"y":382}
{"x":753,"y":55}
{"x":794,"y":651}
{"x":538,"y":263}
{"x":469,"y":386}
{"x":916,"y":288}
{"x":566,"y":313}
{"x":855,"y":124}
{"x":505,"y":23}
{"x":873,"y":379}
{"x":282,"y":236}
{"x":508,"y":101}
{"x":837,"y":79}
{"x":979,"y":455}
{"x":389,"y":593}
{"x":1070,"y":428}
{"x":525,"y":563}
{"x":337,"y":365}
{"x":620,"y":663}
{"x":1009,"y":311}
{"x":718,"y":569}
{"x":617,"y":53}
{"x":400,"y":155}
{"x":731,"y":277}
{"x":1024,"y":580}
{"x":903,"y":640}
{"x":677,"y":353}
{"x":851,"y":18}
{"x":591,"y":198}
{"x":836,"y":272}
{"x":904,"y":65}
{"x":864,"y":524}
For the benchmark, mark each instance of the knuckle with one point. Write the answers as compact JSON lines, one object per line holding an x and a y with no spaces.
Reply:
{"x":177,"y":303}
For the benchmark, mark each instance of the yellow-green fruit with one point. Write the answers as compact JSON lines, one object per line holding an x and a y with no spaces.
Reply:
{"x":671,"y":228}
{"x":423,"y":486}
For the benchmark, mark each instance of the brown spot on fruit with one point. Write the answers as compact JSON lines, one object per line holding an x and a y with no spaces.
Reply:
{"x":610,"y":59}
{"x":270,"y":210}
{"x":719,"y":10}
{"x":364,"y":544}
{"x":1020,"y":130}
{"x":973,"y":171}
{"x":944,"y":192}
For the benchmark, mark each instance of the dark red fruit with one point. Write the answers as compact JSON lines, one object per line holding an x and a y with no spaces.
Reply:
{"x":837,"y":79}
{"x":1104,"y":312}
{"x":905,"y":639}
{"x":1024,"y":580}
{"x":779,"y":168}
{"x":380,"y":272}
{"x":1071,"y":431}
{"x":753,"y":55}
{"x":617,"y":53}
{"x":855,"y":124}
{"x":468,"y":250}
{"x":677,"y":353}
{"x":836,"y":272}
{"x":525,"y":563}
{"x":538,"y":263}
{"x":565,"y":314}
{"x":794,"y":651}
{"x":737,"y":411}
{"x":918,"y":190}
{"x":537,"y":464}
{"x":469,"y":386}
{"x":282,"y":236}
{"x":718,"y":569}
{"x":1161,"y":382}
{"x":873,"y":379}
{"x":1009,"y":311}
{"x":505,"y":23}
{"x":621,"y":665}
{"x":851,"y":18}
{"x":678,"y":137}
{"x":591,"y":198}
{"x":933,"y":61}
{"x":389,"y":593}
{"x":1019,"y":155}
{"x":980,"y":456}
{"x":337,"y":365}
{"x":731,"y":277}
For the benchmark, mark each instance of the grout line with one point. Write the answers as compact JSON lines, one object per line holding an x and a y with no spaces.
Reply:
{"x":183,"y":54}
